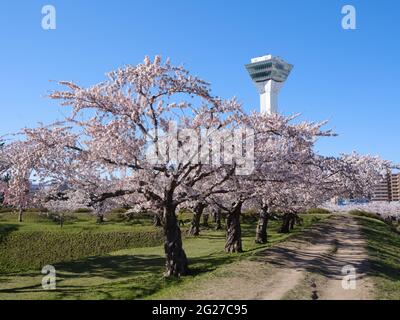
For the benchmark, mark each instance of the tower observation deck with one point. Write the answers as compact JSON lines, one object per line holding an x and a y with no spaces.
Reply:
{"x":268,"y":74}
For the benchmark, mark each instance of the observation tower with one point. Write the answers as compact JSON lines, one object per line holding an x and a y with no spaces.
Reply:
{"x":269,"y":73}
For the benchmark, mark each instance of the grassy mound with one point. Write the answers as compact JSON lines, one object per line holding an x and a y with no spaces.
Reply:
{"x":362,"y":213}
{"x":39,"y":240}
{"x":384,"y":251}
{"x":28,"y":250}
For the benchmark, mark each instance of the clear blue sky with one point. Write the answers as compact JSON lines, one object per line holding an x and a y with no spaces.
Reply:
{"x":350,"y":77}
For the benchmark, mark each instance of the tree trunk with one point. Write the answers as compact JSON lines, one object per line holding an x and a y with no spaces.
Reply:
{"x":233,"y":241}
{"x":285,"y":228}
{"x":195,"y":224}
{"x":292,"y":222}
{"x":100,"y":218}
{"x":20,"y":212}
{"x":157,"y":220}
{"x":261,"y":231}
{"x":214,"y":216}
{"x":299,"y":221}
{"x":217,"y":218}
{"x":176,"y":260}
{"x":206,"y":216}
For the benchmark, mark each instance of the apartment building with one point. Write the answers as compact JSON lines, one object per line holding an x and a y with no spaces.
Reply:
{"x":389,"y":189}
{"x":395,"y":187}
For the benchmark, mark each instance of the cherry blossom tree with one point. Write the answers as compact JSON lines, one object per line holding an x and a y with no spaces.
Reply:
{"x":69,"y":178}
{"x":237,"y":191}
{"x":117,"y":122}
{"x":284,"y":157}
{"x":3,"y":191}
{"x":20,"y":165}
{"x":4,"y":176}
{"x":282,"y":152}
{"x":3,"y":160}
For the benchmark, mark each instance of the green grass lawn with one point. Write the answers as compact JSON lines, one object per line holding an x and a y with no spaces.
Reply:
{"x":132,"y":273}
{"x":384,"y":252}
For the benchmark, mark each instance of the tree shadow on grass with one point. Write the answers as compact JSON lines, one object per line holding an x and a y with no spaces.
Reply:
{"x":31,"y":288}
{"x":209,"y":263}
{"x":111,"y":267}
{"x":126,"y":289}
{"x":6,"y":229}
{"x":114,"y":267}
{"x":209,"y":236}
{"x":132,"y":277}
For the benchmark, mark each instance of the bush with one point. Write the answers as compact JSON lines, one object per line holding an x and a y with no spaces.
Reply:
{"x":83,"y":210}
{"x":29,"y":250}
{"x":315,"y":219}
{"x":6,"y":210}
{"x":141,"y":215}
{"x":318,"y":211}
{"x":116,"y":217}
{"x":56,"y":218}
{"x":35,"y":210}
{"x":119,"y":210}
{"x":250,"y":215}
{"x":129,"y":216}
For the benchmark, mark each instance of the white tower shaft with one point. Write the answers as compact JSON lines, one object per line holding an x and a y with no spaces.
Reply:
{"x":269,"y":97}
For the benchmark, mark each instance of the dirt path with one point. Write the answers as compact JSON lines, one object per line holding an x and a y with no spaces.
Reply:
{"x":321,"y":256}
{"x":307,"y":267}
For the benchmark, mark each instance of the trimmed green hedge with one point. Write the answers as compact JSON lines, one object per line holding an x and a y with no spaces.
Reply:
{"x":28,"y":250}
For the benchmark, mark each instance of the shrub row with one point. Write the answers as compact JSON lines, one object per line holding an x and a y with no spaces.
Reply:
{"x":31,"y":250}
